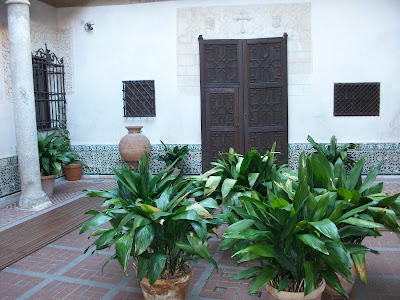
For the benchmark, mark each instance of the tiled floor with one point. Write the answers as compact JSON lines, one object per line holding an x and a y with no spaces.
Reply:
{"x":61,"y":270}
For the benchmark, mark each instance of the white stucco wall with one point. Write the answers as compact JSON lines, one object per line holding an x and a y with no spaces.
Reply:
{"x":339,"y":41}
{"x":43,"y":30}
{"x":353,"y":41}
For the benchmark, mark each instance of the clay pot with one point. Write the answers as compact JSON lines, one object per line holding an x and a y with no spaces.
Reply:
{"x":347,"y":285}
{"x":314,"y":295}
{"x":167,"y":289}
{"x":48,"y":184}
{"x":133,"y":145}
{"x":73,"y":172}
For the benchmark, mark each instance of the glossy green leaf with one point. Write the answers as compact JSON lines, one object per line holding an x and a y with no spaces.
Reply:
{"x":388,"y":201}
{"x":240,"y":226}
{"x":156,"y":265}
{"x":337,"y":213}
{"x":209,"y":203}
{"x":123,"y":248}
{"x":211,"y":185}
{"x":362,"y":223}
{"x":253,"y":178}
{"x":251,"y":234}
{"x":371,"y":176}
{"x":97,"y":220}
{"x":355,"y":174}
{"x":311,"y":276}
{"x":263,"y":250}
{"x":140,"y":221}
{"x":227,"y":186}
{"x":267,"y":273}
{"x":321,"y":208}
{"x":339,"y":259}
{"x":143,"y":238}
{"x":142,"y":268}
{"x":327,"y":228}
{"x":385,"y":216}
{"x":201,"y":247}
{"x":332,"y":279}
{"x":314,"y":242}
{"x":359,"y":262}
{"x":248,"y":273}
{"x":187,"y":215}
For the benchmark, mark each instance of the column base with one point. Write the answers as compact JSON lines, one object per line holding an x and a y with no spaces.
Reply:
{"x":36,"y":201}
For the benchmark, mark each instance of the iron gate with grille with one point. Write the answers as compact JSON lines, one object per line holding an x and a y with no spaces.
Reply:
{"x":48,"y":83}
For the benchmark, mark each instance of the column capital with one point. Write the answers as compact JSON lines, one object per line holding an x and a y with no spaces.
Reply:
{"x":18,"y":2}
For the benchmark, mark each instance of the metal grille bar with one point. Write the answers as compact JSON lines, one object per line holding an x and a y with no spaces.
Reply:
{"x":49,"y":89}
{"x":357,"y":99}
{"x":139,"y":98}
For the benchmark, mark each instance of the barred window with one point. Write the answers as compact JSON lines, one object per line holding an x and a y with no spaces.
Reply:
{"x":139,"y":98}
{"x":49,"y":89}
{"x":356,"y":99}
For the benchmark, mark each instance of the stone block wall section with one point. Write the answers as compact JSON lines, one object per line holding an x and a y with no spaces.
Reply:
{"x":245,"y":22}
{"x":102,"y":158}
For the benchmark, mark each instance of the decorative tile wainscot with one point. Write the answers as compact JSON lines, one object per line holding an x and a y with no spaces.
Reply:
{"x":102,"y":158}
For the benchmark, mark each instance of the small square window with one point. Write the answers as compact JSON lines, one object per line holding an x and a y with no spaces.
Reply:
{"x":356,"y":99}
{"x":139,"y":98}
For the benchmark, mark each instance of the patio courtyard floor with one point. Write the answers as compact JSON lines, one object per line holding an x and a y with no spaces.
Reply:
{"x":60,"y":270}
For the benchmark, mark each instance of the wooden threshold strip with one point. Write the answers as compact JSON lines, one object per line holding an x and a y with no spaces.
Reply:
{"x":25,"y":238}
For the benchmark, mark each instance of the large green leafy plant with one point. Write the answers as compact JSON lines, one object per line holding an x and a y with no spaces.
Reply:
{"x":53,"y":152}
{"x":359,"y":208}
{"x":234,"y":175}
{"x":291,"y":234}
{"x":174,"y":155}
{"x":153,"y":221}
{"x":333,"y":152}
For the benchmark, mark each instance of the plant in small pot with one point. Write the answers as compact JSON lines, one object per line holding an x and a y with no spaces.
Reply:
{"x":53,"y":152}
{"x":174,"y":156}
{"x":290,"y":234}
{"x":72,"y":164}
{"x":153,"y":222}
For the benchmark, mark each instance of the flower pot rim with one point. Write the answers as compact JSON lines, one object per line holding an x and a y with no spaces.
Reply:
{"x":72,"y":166}
{"x":296,"y":295}
{"x":48,"y":176}
{"x":182,"y":278}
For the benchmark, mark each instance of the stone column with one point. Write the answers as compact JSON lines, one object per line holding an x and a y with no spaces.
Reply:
{"x":32,"y":195}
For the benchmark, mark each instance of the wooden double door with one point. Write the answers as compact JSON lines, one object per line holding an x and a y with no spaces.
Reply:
{"x":243,"y":96}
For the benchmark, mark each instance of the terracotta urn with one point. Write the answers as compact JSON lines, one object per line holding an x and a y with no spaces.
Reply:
{"x":133,"y":145}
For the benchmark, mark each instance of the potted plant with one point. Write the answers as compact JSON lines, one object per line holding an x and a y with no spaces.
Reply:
{"x":333,"y":152}
{"x":290,"y":233}
{"x":53,"y":152}
{"x":153,"y":222}
{"x":174,"y":156}
{"x":72,"y":164}
{"x":359,"y":208}
{"x":235,"y":174}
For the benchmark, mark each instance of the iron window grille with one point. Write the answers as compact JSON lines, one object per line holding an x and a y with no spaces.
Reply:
{"x":49,"y":89}
{"x":139,"y":98}
{"x":356,"y":99}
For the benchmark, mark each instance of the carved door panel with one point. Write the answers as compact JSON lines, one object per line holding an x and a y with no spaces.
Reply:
{"x":243,"y":96}
{"x":265,"y":95}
